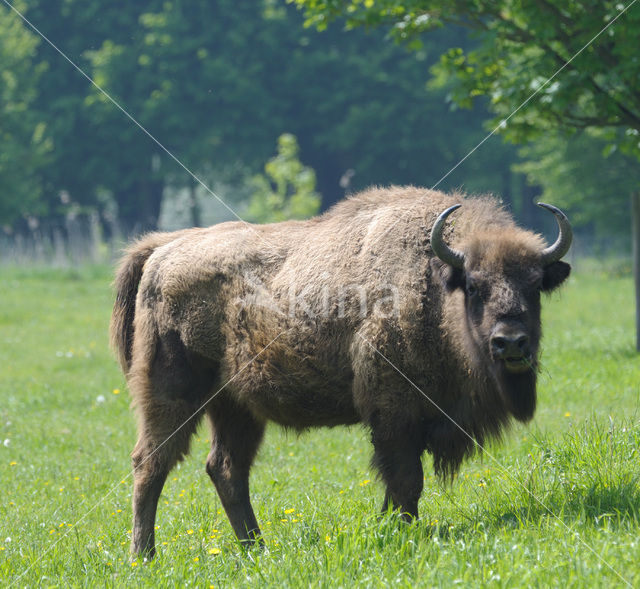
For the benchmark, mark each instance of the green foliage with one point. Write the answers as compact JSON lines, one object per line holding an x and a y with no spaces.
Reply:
{"x":207,"y":79}
{"x":564,"y":487}
{"x":24,"y":144}
{"x":584,"y":176}
{"x":520,"y":46}
{"x":287,"y":189}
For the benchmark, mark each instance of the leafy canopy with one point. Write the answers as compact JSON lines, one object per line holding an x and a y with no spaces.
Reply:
{"x":521,"y":44}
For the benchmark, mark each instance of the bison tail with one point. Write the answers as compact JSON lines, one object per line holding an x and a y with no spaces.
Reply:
{"x":126,"y":283}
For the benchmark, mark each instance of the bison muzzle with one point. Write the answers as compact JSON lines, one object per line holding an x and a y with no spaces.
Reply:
{"x":388,"y":310}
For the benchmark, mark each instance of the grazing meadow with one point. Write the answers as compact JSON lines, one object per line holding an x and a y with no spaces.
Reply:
{"x":557,"y":503}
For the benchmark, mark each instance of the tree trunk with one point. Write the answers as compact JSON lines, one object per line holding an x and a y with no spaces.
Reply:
{"x":507,"y":193}
{"x":194,"y":206}
{"x":139,"y":206}
{"x":635,"y":235}
{"x":327,"y":168}
{"x":529,"y":212}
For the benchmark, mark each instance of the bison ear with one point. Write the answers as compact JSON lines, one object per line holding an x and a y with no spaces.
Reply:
{"x":554,"y":275}
{"x":450,"y":277}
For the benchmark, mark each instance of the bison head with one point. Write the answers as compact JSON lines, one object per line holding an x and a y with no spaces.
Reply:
{"x":499,"y":275}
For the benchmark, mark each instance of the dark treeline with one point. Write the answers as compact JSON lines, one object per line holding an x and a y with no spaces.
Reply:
{"x":217,"y":83}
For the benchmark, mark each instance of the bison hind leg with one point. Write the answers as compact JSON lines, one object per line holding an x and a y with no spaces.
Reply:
{"x":164,"y":436}
{"x":168,"y":390}
{"x":235,"y":438}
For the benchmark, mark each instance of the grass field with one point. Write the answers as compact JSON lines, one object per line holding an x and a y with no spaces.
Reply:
{"x":557,"y":504}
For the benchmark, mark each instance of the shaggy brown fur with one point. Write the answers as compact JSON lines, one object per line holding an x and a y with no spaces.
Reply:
{"x":290,"y":316}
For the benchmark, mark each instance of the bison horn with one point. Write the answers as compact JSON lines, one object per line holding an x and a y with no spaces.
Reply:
{"x":440,"y":248}
{"x":554,"y":252}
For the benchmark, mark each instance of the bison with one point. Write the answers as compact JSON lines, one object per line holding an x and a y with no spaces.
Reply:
{"x":379,"y":312}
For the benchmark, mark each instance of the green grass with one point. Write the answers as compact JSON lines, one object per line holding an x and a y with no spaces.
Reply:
{"x":559,"y":505}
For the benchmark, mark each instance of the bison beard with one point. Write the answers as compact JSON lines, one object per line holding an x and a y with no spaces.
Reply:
{"x":519,"y":391}
{"x":201,"y":327}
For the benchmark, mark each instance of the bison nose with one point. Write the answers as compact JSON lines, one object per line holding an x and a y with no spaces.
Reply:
{"x":510,"y":346}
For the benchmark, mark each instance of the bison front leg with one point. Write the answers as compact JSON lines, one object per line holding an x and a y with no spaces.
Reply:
{"x":397,"y":458}
{"x":236,"y":437}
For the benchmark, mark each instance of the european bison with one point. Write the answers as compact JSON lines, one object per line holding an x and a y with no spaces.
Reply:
{"x":362,"y":315}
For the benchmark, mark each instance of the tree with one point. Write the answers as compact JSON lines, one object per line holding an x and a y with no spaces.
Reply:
{"x":357,"y":103}
{"x":520,"y":46}
{"x":217,"y":83}
{"x":24,"y":146}
{"x":287,"y":189}
{"x":71,"y":175}
{"x":586,"y":177}
{"x":207,"y":79}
